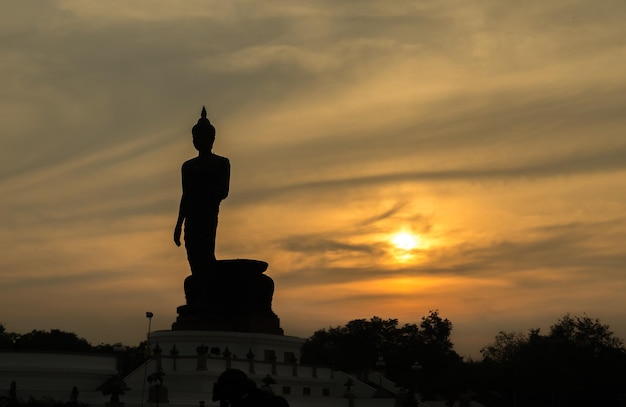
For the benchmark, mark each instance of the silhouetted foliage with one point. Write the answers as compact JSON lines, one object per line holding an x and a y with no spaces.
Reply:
{"x":579,"y":363}
{"x":54,"y":340}
{"x":7,"y":339}
{"x":357,"y":346}
{"x":130,"y":358}
{"x":114,"y":386}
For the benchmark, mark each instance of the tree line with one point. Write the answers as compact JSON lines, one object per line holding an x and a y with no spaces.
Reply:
{"x":57,"y":340}
{"x":578,"y":362}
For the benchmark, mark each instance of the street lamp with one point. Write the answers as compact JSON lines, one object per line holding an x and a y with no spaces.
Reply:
{"x":415,"y":369}
{"x":380,"y":366}
{"x":149,"y":315}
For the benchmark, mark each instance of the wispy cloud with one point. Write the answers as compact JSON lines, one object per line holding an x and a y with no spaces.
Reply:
{"x":493,"y":131}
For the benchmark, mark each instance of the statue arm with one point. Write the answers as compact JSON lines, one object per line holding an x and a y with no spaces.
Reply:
{"x":181,"y":214}
{"x":225,"y":181}
{"x":178,"y":229}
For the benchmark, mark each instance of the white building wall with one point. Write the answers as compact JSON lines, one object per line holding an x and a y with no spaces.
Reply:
{"x":39,"y":374}
{"x":54,"y":374}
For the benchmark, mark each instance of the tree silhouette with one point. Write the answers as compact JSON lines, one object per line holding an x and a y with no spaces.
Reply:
{"x":7,"y":339}
{"x":54,"y":340}
{"x":579,"y":363}
{"x":357,"y":346}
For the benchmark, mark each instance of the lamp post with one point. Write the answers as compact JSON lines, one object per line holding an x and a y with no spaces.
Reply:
{"x":149,"y":315}
{"x":349,"y":394}
{"x":380,"y":366}
{"x":415,"y":369}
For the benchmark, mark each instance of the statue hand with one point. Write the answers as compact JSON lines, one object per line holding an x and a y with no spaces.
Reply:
{"x":177,"y":232}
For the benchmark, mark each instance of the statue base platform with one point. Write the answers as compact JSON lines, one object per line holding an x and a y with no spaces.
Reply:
{"x":235,"y":296}
{"x":203,"y":318}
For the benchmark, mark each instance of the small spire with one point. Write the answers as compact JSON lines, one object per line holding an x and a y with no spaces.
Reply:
{"x":203,"y":125}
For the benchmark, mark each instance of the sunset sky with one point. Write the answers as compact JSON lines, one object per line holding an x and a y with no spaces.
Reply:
{"x":492,"y":133}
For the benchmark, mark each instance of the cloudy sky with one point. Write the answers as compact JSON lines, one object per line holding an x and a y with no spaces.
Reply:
{"x":491,"y":132}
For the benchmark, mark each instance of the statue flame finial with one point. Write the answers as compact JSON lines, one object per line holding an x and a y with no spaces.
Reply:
{"x":204,"y":125}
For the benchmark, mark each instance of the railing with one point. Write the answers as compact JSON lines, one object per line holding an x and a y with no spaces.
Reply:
{"x":173,"y":364}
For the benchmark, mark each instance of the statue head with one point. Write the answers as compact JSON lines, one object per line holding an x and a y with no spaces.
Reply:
{"x":203,"y":133}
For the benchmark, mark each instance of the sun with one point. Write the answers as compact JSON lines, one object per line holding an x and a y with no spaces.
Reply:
{"x":405,"y":241}
{"x":405,"y":246}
